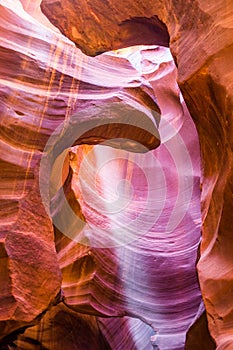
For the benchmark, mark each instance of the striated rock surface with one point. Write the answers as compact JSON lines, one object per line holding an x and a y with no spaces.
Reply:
{"x":101,"y":26}
{"x":61,"y":328}
{"x":39,"y":89}
{"x":142,"y":226}
{"x":126,"y":258}
{"x":201,"y":40}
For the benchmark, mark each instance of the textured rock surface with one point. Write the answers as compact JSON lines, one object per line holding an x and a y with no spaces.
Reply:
{"x":201,"y":40}
{"x":152,"y":278}
{"x":61,"y":328}
{"x":133,"y":280}
{"x":198,"y":335}
{"x":102,"y":26}
{"x":47,"y":85}
{"x":40,"y":84}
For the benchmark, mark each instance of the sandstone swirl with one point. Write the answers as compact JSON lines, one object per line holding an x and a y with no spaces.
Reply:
{"x":201,"y":41}
{"x":123,"y":271}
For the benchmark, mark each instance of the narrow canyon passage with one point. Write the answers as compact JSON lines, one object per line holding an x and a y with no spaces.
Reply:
{"x":145,"y":209}
{"x":101,"y":178}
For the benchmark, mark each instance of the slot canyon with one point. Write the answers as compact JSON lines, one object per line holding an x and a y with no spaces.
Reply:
{"x":116,"y":175}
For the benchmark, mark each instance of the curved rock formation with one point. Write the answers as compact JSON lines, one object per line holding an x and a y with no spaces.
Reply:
{"x":61,"y":328}
{"x":201,"y":40}
{"x":100,"y":279}
{"x":40,"y":88}
{"x":128,"y":264}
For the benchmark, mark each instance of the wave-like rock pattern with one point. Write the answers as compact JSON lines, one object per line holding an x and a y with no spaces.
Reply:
{"x":40,"y":87}
{"x":201,"y":41}
{"x":49,"y":92}
{"x":142,"y":226}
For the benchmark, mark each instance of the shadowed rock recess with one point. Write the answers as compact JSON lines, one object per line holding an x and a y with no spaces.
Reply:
{"x":116,"y":181}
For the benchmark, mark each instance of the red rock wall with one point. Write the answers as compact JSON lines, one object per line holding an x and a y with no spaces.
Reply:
{"x":48,"y":85}
{"x":201,"y":38}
